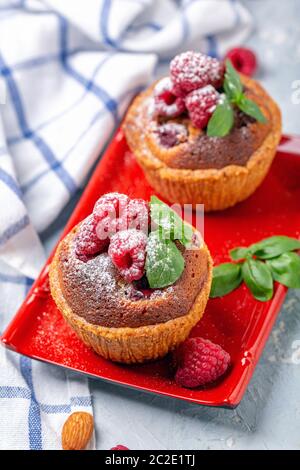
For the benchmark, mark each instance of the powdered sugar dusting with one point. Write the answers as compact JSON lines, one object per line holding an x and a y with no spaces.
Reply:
{"x":202,"y":93}
{"x":201,"y":104}
{"x":191,"y":70}
{"x":166,"y":102}
{"x":95,"y":290}
{"x":171,"y":134}
{"x":99,"y":272}
{"x":87,"y":241}
{"x":162,"y":86}
{"x":127,"y":250}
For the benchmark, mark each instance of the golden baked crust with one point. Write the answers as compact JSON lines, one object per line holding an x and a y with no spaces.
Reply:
{"x":125,"y":344}
{"x":215,"y":188}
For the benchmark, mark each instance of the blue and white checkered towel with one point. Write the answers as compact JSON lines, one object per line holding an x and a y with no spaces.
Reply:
{"x":70,"y":70}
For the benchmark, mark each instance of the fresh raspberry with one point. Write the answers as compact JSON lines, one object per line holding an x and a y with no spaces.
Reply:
{"x":110,"y":214}
{"x":166,"y":103}
{"x":138,"y":215}
{"x":200,"y":362}
{"x":127,"y":251}
{"x":171,"y":134}
{"x":201,"y":104}
{"x":86,"y":241}
{"x":119,"y":447}
{"x":192,"y":70}
{"x":243,"y":59}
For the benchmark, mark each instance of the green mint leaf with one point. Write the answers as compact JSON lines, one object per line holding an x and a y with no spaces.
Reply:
{"x":233,"y":86}
{"x":226,"y":278}
{"x":164,"y":262}
{"x":238,"y":253}
{"x":250,"y":107}
{"x":173,"y":226}
{"x":258,"y":278}
{"x":274,"y":246}
{"x":286,"y":269}
{"x":221,"y":122}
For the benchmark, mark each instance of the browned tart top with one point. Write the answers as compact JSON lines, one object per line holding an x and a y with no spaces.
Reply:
{"x":95,"y":291}
{"x":180,"y":145}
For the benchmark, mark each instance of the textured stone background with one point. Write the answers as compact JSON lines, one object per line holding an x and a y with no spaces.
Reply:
{"x":269,"y":414}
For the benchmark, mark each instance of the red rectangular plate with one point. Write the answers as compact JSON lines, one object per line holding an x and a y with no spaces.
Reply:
{"x":237,"y":322}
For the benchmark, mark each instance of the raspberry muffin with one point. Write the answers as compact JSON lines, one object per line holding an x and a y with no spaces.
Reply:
{"x":205,"y":134}
{"x":129,"y":282}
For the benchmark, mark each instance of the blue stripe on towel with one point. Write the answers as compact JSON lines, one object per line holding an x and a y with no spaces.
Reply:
{"x":9,"y":278}
{"x":212,"y":46}
{"x":10,"y":182}
{"x":104,"y":22}
{"x":14,"y":392}
{"x":109,"y":102}
{"x":13,"y":229}
{"x":34,"y":415}
{"x":29,"y":134}
{"x":138,"y":27}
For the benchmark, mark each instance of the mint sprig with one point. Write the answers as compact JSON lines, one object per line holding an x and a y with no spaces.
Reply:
{"x":259,"y":265}
{"x":266,"y":248}
{"x":226,"y":278}
{"x":170,"y":222}
{"x":250,"y":107}
{"x":286,"y":269}
{"x":258,"y":278}
{"x":222,"y":120}
{"x":164,"y":261}
{"x":238,"y":253}
{"x":274,"y":246}
{"x":233,"y":86}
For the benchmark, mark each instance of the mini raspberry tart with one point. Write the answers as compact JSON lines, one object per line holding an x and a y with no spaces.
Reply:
{"x":205,"y":134}
{"x":136,"y":294}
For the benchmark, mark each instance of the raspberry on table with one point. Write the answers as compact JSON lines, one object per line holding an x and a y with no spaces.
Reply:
{"x":191,"y":70}
{"x":138,"y":215}
{"x":127,"y":251}
{"x":166,"y":103}
{"x":200,"y":362}
{"x":243,"y":60}
{"x":201,"y":104}
{"x":110,"y":214}
{"x":86,"y":241}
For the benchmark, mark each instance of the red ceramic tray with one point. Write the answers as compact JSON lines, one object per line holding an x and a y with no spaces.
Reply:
{"x":237,"y":322}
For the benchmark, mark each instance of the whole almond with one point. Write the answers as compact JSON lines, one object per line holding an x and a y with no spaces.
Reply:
{"x":77,"y":431}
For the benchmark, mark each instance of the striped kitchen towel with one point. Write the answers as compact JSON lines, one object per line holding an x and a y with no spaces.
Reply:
{"x":67,"y":73}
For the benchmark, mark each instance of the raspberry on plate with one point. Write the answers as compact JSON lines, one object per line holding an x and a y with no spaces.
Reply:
{"x":86,"y":242}
{"x":200,"y":362}
{"x":110,"y":214}
{"x":166,"y":103}
{"x":243,"y":59}
{"x":191,"y":70}
{"x":138,"y":215}
{"x":201,"y":104}
{"x":127,"y":251}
